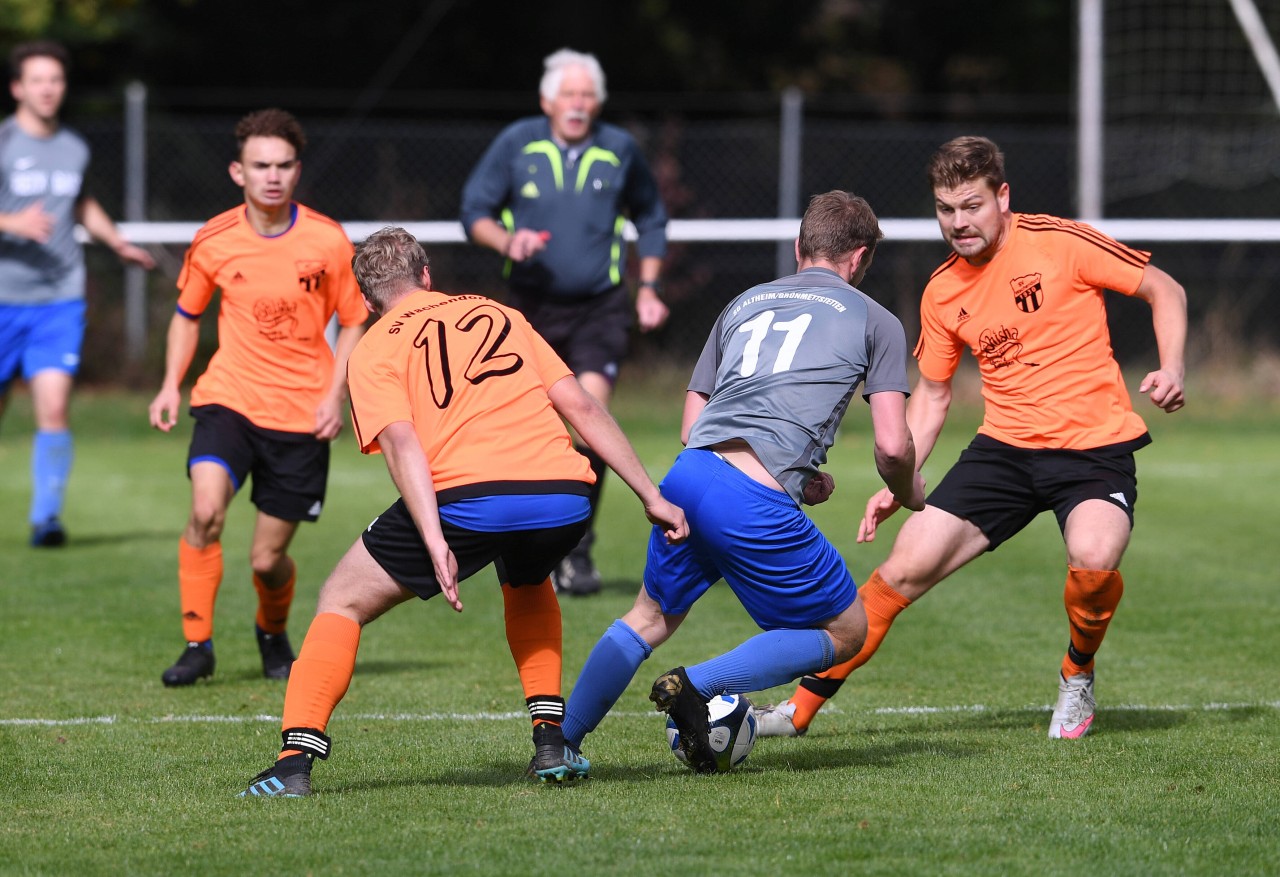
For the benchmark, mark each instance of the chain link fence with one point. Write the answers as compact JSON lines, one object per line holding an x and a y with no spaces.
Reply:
{"x":708,"y":167}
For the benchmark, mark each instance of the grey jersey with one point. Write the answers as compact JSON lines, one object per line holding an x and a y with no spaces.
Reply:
{"x":782,"y":363}
{"x":51,"y":171}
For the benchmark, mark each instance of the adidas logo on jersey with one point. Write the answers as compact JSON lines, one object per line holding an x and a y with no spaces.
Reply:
{"x":238,"y":278}
{"x":1119,"y":497}
{"x":529,"y":190}
{"x":962,"y":316}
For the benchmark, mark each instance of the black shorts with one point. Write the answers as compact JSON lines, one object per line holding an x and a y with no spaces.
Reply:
{"x":590,"y":334}
{"x":522,"y":557}
{"x":1000,"y":488}
{"x":290,"y":469}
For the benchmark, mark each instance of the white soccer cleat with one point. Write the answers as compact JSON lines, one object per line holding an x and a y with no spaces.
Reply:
{"x":1073,"y":714}
{"x":777,"y":721}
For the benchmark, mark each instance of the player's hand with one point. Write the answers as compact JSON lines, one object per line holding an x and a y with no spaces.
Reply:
{"x":32,"y":223}
{"x":328,"y":420}
{"x":670,"y":518}
{"x":1164,"y":389}
{"x":163,"y":410}
{"x":819,"y":488}
{"x":651,"y":311}
{"x":879,"y":508}
{"x":134,"y":255}
{"x":445,"y":566}
{"x":526,"y":243}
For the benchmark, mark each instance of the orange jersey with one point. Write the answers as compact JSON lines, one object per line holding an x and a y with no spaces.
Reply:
{"x":472,"y":377}
{"x":273,"y":364}
{"x":1035,"y":320}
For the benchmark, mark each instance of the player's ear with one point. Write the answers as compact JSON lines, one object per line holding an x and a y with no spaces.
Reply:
{"x":236,"y":169}
{"x":426,"y":277}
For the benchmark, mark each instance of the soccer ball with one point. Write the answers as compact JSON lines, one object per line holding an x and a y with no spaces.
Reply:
{"x":732,"y":732}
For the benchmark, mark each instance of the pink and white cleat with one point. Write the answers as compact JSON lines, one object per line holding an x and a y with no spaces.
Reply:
{"x":1073,"y":714}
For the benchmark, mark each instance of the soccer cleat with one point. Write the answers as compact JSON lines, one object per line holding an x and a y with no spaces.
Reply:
{"x":195,"y":663}
{"x":576,"y":575}
{"x":675,"y":695}
{"x":777,"y":721}
{"x":277,"y":654}
{"x":48,"y":534}
{"x":554,"y":761}
{"x":1073,"y":714}
{"x":287,"y":778}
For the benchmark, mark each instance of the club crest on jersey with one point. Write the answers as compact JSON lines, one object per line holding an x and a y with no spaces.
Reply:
{"x":1028,"y":294}
{"x":310,"y":275}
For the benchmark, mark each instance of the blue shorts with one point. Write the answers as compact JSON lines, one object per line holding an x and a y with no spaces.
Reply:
{"x":34,"y":338}
{"x":782,"y":569}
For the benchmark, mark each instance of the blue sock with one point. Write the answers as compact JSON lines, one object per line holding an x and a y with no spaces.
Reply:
{"x":606,"y":674}
{"x":774,"y":657}
{"x":51,"y":455}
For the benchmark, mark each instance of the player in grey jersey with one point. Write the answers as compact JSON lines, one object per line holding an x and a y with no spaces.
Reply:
{"x":42,"y":276}
{"x":766,"y":397}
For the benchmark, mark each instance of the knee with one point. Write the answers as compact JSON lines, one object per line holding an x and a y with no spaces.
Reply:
{"x":269,"y":564}
{"x":207,"y":520}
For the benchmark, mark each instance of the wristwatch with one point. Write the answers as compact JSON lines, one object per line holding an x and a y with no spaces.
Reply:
{"x":655,"y":285}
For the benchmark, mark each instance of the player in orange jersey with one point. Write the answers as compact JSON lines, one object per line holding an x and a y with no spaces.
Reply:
{"x":464,"y":400}
{"x":272,"y":397}
{"x":1024,"y":293}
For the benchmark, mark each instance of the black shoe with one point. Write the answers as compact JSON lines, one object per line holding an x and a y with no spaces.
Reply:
{"x":554,"y":761}
{"x":675,"y":695}
{"x":195,"y":663}
{"x":277,"y":654}
{"x":49,"y":534}
{"x":287,"y":778}
{"x":576,"y":575}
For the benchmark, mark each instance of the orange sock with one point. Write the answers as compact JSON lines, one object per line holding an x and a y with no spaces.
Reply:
{"x":1091,"y":597}
{"x":274,"y":603}
{"x":882,"y":604}
{"x":322,"y":673}
{"x":199,"y":575}
{"x":534,"y":634}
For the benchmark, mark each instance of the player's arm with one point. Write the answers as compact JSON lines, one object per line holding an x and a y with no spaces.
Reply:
{"x":31,"y":223}
{"x":1168,"y":302}
{"x":180,"y":349}
{"x":95,"y":220}
{"x":651,"y":310}
{"x":694,"y":402}
{"x":411,"y":471}
{"x":329,"y":414}
{"x":601,"y":432}
{"x":895,"y":452}
{"x":926,"y":412}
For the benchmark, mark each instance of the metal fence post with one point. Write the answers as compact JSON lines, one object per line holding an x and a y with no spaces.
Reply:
{"x":790,"y":145}
{"x":135,"y":210}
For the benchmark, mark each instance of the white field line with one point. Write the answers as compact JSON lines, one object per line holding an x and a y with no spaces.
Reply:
{"x":492,"y":717}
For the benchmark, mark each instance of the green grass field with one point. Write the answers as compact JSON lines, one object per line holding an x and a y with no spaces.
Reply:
{"x":933,"y":760}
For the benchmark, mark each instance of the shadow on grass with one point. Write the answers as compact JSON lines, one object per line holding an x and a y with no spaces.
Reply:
{"x":78,"y":539}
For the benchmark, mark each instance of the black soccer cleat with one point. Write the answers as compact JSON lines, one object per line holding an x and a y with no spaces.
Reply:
{"x":554,"y":761}
{"x":287,"y":778}
{"x":49,"y":534}
{"x":576,"y":576}
{"x":675,"y":695}
{"x":195,"y":663}
{"x":277,"y":654}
